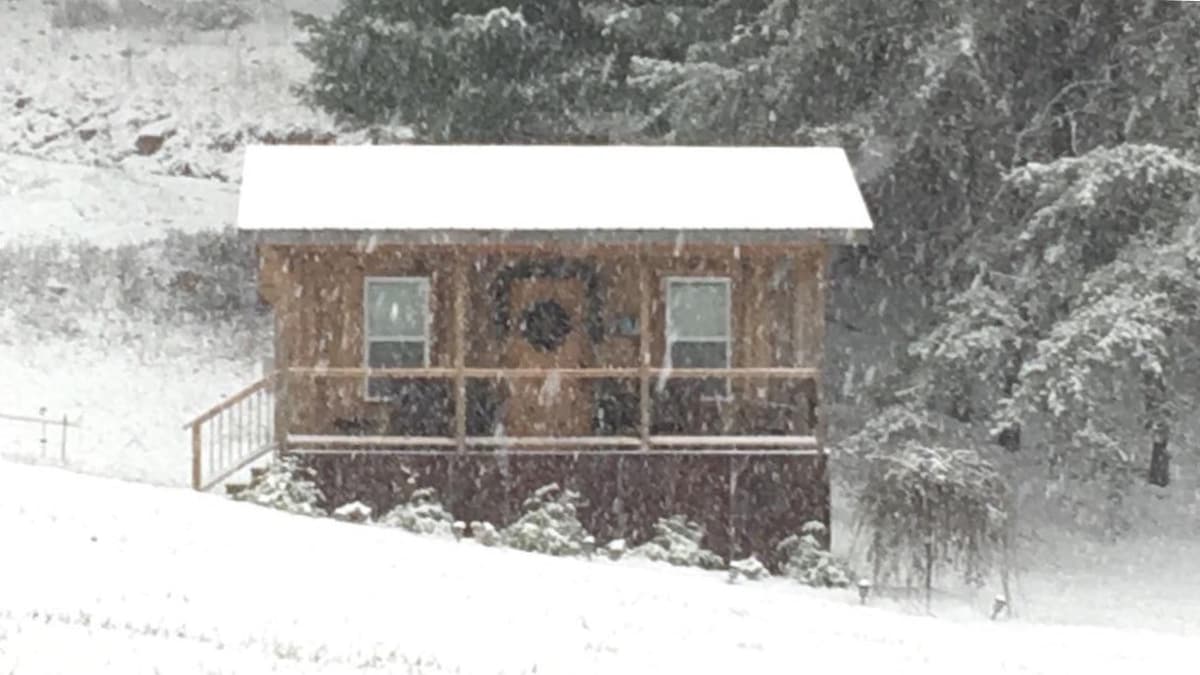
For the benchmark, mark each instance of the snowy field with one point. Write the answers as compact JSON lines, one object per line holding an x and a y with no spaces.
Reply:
{"x":42,"y":200}
{"x":130,"y":401}
{"x":139,"y":579}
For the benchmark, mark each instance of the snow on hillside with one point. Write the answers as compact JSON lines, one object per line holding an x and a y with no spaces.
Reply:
{"x":47,"y":201}
{"x":131,"y":578}
{"x":129,"y":401}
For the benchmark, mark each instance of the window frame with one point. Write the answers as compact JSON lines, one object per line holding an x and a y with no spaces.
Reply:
{"x":669,"y":340}
{"x":425,"y":283}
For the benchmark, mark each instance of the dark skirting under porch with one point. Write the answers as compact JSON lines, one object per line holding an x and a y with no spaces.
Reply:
{"x":747,"y":504}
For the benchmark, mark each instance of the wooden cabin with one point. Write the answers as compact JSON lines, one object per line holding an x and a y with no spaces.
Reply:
{"x":643,"y":324}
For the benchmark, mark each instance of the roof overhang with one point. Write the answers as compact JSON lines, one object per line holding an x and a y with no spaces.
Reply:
{"x":457,"y":194}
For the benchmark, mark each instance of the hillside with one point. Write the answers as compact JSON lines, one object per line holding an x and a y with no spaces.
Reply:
{"x":194,"y":583}
{"x":45,"y":201}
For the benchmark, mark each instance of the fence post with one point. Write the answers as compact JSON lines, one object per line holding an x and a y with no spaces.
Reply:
{"x":197,"y":465}
{"x":63,"y":449}
{"x":42,"y":441}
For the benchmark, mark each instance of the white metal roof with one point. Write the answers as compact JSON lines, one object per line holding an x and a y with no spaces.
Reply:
{"x":551,"y":189}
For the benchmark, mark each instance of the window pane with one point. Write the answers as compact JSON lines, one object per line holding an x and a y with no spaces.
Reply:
{"x":698,"y":355}
{"x":396,"y":355}
{"x":396,"y":308}
{"x":698,"y":309}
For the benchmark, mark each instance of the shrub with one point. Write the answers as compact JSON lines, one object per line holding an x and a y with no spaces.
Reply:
{"x":549,"y":524}
{"x":210,"y":15}
{"x":677,"y":541}
{"x":104,"y":13}
{"x":354,"y":512}
{"x":81,"y":14}
{"x":485,"y":533}
{"x":423,"y":514}
{"x":285,"y":484}
{"x":212,"y":274}
{"x":808,"y":563}
{"x":750,"y":568}
{"x":928,"y":505}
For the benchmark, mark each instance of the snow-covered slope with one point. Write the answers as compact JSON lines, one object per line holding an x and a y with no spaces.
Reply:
{"x":44,"y":201}
{"x":102,"y":576}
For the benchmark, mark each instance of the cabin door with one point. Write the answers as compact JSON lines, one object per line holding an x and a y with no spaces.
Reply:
{"x":548,"y":332}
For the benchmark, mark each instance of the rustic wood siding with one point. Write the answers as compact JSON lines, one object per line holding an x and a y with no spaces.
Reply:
{"x":317,"y":292}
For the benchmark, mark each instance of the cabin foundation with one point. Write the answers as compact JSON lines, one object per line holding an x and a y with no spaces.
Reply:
{"x":745,"y":504}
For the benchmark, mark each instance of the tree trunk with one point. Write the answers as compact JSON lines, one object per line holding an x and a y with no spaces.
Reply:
{"x":1159,"y":426}
{"x":1160,"y":460}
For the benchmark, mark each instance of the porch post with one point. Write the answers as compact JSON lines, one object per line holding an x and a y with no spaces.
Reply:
{"x":460,"y":329}
{"x":282,"y":410}
{"x":644,"y":350}
{"x":806,"y":306}
{"x":822,"y":262}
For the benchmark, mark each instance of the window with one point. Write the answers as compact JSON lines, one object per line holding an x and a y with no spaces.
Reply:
{"x":397,"y":327}
{"x":698,"y":330}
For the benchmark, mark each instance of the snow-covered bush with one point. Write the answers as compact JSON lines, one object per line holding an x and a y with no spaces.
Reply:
{"x":354,"y":512}
{"x":209,"y":15}
{"x":423,"y":514}
{"x":927,"y":505}
{"x":808,"y":563}
{"x":285,"y":484}
{"x":549,"y":524}
{"x":677,"y":541}
{"x":615,"y":549}
{"x":748,"y":568}
{"x":485,"y":533}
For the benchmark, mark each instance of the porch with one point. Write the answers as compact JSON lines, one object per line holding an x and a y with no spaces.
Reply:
{"x":451,"y":412}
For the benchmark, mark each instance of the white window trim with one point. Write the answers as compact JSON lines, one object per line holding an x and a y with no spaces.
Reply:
{"x":426,"y":287}
{"x":728,"y":339}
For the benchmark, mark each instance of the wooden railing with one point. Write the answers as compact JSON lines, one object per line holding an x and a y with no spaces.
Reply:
{"x":247,"y":426}
{"x":234,"y":433}
{"x":642,"y":442}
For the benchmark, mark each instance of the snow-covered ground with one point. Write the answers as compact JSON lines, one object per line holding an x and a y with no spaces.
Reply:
{"x":125,"y":578}
{"x":130,"y":401}
{"x":49,"y":201}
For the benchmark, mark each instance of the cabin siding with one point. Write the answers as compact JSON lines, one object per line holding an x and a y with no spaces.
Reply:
{"x":777,"y":307}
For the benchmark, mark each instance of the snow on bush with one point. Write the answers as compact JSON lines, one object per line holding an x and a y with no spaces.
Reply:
{"x":549,"y":524}
{"x":748,"y":568}
{"x":354,"y":512}
{"x":808,"y":563}
{"x":677,"y":541}
{"x":485,"y":533}
{"x":284,"y":484}
{"x":423,"y":514}
{"x":927,"y":505}
{"x":210,"y":15}
{"x":615,"y":549}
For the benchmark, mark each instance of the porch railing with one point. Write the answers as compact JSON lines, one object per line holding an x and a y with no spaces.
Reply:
{"x":640,"y":442}
{"x":257,"y":420}
{"x":233,"y":434}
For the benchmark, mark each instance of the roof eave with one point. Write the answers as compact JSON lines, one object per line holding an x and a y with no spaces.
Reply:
{"x":341,"y":237}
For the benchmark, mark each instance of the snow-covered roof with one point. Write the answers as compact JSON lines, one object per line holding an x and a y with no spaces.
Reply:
{"x":591,"y":193}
